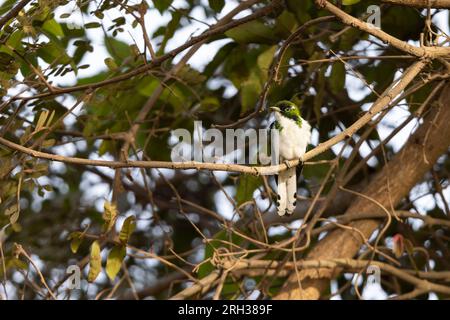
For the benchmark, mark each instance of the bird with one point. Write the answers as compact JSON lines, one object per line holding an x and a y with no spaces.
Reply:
{"x":294,"y":136}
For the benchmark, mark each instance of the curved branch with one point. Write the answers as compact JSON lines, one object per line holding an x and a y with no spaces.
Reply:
{"x":383,"y":101}
{"x":430,"y":52}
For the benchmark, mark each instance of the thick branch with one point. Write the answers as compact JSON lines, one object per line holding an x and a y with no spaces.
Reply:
{"x":417,"y":278}
{"x":201,"y":287}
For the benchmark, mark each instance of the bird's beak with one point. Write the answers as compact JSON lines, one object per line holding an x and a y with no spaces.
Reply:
{"x":275,"y":109}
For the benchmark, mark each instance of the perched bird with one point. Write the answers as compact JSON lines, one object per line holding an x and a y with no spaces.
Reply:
{"x":294,"y":137}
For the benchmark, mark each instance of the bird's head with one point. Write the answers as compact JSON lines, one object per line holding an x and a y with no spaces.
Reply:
{"x":287,"y":109}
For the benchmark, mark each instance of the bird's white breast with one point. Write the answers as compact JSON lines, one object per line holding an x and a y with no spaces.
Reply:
{"x":293,"y":139}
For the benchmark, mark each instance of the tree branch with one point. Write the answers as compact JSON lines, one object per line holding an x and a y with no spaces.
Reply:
{"x":425,"y":51}
{"x":13,"y":12}
{"x":440,"y":4}
{"x":395,"y":89}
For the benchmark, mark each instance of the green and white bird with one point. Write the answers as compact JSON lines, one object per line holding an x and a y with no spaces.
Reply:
{"x":294,"y":137}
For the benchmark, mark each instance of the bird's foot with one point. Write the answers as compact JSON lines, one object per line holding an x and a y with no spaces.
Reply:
{"x":287,"y":163}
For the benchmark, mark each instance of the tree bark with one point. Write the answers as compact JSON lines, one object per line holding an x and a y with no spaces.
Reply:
{"x":389,"y":187}
{"x":421,"y":3}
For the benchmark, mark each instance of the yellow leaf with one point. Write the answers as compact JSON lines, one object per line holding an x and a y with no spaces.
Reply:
{"x":95,"y":262}
{"x":127,"y":229}
{"x":50,"y":118}
{"x":48,"y":143}
{"x":41,"y":121}
{"x":114,"y":261}
{"x":109,"y":215}
{"x":76,"y":241}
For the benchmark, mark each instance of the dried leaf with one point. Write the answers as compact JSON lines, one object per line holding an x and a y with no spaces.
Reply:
{"x":95,"y":262}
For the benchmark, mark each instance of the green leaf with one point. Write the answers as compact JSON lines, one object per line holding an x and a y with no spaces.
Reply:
{"x":171,"y":94}
{"x":95,"y":78}
{"x":209,"y":104}
{"x":52,"y":53}
{"x":12,"y":263}
{"x":19,"y":264}
{"x":349,"y":38}
{"x":75,"y":244}
{"x":416,"y":99}
{"x":230,"y":288}
{"x":105,"y":146}
{"x":337,"y":77}
{"x":6,"y":6}
{"x":8,"y":64}
{"x":252,"y":32}
{"x":216,"y":5}
{"x":118,"y":50}
{"x":77,"y":239}
{"x":191,"y":76}
{"x":219,"y":59}
{"x":127,"y":229}
{"x":318,"y":171}
{"x":162,"y":5}
{"x":246,"y":186}
{"x":403,"y":22}
{"x":169,"y":30}
{"x":92,"y":25}
{"x":250,"y":91}
{"x":14,"y":41}
{"x":53,"y":27}
{"x":111,"y":64}
{"x":147,"y":86}
{"x":285,"y":23}
{"x":114,"y":261}
{"x":265,"y":59}
{"x":313,"y":66}
{"x":349,"y":2}
{"x":95,"y":261}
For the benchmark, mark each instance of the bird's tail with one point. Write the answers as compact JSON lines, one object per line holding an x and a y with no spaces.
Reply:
{"x":287,"y":192}
{"x":291,"y":190}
